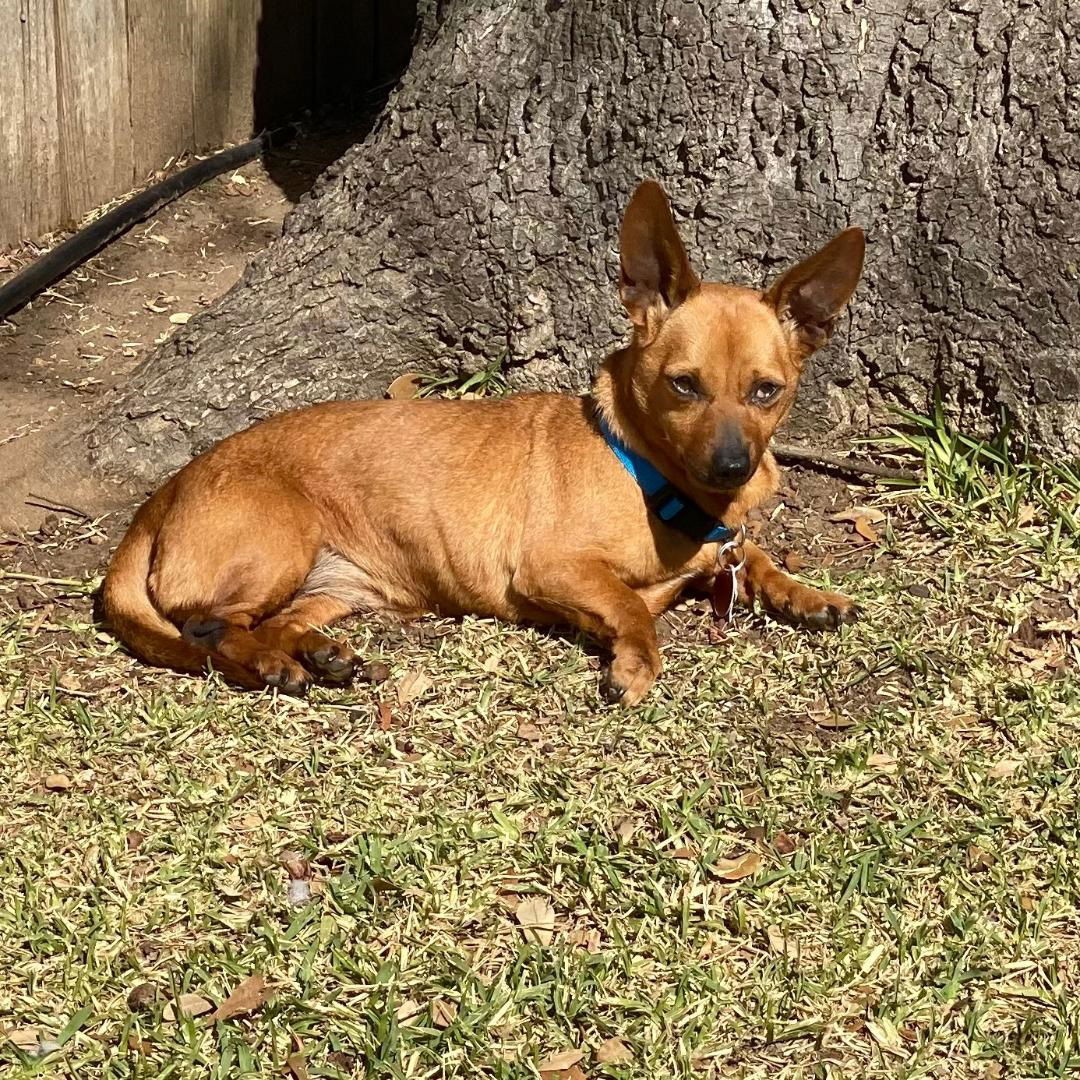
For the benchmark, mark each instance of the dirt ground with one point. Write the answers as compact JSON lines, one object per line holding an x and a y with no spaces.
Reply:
{"x":66,"y":351}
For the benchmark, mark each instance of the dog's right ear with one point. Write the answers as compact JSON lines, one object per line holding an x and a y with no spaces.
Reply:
{"x":656,"y":274}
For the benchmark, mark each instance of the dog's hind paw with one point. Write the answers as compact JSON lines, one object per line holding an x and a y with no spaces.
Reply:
{"x":629,"y":678}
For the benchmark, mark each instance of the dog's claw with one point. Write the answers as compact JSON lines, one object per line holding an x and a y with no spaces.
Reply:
{"x":287,"y":682}
{"x":334,"y":663}
{"x":610,"y":690}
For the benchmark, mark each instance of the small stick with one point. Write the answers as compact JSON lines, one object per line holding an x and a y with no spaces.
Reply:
{"x":49,"y":504}
{"x":801,"y":456}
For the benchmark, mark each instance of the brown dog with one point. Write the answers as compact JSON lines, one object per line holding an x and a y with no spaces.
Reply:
{"x":522,"y":508}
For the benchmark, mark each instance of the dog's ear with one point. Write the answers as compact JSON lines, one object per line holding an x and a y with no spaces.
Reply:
{"x":656,"y":274}
{"x":808,"y":298}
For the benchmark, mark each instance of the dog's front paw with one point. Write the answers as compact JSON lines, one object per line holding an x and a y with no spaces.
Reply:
{"x":815,"y":608}
{"x":630,"y":676}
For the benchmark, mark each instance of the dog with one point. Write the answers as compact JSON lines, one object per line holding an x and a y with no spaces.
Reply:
{"x":593,"y":511}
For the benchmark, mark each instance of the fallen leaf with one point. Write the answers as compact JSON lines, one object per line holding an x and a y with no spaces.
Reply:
{"x":139,"y":1046}
{"x":386,"y":716}
{"x":564,"y":1060}
{"x":684,"y":853}
{"x":180,"y":317}
{"x":587,"y":939}
{"x":624,"y":830}
{"x":297,"y":1065}
{"x":784,"y":844}
{"x":134,"y":840}
{"x":1026,"y":515}
{"x":1005,"y":767}
{"x":405,"y":386}
{"x":142,"y":996}
{"x":613,"y":1052}
{"x":737,"y":869}
{"x":793,"y":562}
{"x":866,"y":530}
{"x":852,"y":515}
{"x":882,"y":762}
{"x":186,"y":1005}
{"x":537,"y":919}
{"x":834,"y":722}
{"x":70,"y":681}
{"x":411,"y":686}
{"x":757,"y":833}
{"x":57,"y":782}
{"x":249,"y":995}
{"x":25,"y":1038}
{"x":978,"y":859}
{"x":529,"y":732}
{"x":295,"y":865}
{"x":408,"y":1012}
{"x":443,"y":1013}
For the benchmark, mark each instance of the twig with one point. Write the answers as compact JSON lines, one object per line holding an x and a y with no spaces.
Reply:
{"x":801,"y":456}
{"x":60,"y":508}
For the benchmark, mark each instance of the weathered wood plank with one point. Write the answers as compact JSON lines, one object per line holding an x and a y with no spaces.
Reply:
{"x":159,"y":48}
{"x":94,"y":105}
{"x":13,"y":136}
{"x":224,"y":38}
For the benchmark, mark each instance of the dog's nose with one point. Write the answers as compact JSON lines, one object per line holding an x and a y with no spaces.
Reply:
{"x":730,"y":465}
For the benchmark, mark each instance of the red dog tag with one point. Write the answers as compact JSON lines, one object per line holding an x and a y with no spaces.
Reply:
{"x":723,"y":594}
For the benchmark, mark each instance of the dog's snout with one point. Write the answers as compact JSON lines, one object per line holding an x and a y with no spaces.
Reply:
{"x":731,"y":464}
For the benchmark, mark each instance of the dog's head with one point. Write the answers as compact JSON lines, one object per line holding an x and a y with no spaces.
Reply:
{"x":713,"y":368}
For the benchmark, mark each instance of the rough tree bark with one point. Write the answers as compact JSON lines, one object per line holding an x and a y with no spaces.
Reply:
{"x":477,"y":223}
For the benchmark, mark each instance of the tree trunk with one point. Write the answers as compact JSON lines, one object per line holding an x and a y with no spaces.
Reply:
{"x":478,"y":221}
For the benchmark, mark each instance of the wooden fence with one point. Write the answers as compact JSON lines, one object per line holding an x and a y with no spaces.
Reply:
{"x":95,"y":95}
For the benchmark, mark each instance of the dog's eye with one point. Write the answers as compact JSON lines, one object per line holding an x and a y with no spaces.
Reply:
{"x":764,"y":393}
{"x":684,"y":386}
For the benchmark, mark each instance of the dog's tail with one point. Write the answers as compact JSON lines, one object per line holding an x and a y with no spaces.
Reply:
{"x":129,"y":610}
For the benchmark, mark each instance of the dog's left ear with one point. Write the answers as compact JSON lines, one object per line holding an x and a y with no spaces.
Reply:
{"x":656,"y":273}
{"x":809,"y":296}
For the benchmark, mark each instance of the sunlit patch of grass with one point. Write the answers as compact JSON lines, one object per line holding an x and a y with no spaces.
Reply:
{"x":909,"y":784}
{"x":998,"y":478}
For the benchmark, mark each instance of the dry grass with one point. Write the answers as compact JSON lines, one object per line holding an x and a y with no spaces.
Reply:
{"x":909,"y":784}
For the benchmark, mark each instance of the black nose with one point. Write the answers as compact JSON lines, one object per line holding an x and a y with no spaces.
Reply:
{"x":730,"y":465}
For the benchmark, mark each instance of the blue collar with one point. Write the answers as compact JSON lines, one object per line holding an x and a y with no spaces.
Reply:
{"x":675,"y":509}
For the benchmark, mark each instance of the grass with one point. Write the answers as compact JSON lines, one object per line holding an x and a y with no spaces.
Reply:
{"x":909,"y":785}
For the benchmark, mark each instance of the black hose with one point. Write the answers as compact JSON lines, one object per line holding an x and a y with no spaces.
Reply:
{"x":54,"y":264}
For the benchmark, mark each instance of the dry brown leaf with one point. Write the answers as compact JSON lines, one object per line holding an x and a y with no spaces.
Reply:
{"x":57,"y":782}
{"x":784,"y":843}
{"x":793,"y":562}
{"x":834,"y":722}
{"x":408,"y":1012}
{"x":386,"y":716}
{"x":978,"y":859}
{"x":1026,"y":515}
{"x":684,"y":853}
{"x":251,"y":994}
{"x":297,"y":1065}
{"x":295,"y":865}
{"x":1005,"y":767}
{"x":613,"y":1052}
{"x":529,"y":732}
{"x":443,"y":1013}
{"x":411,"y":686}
{"x":566,"y":1059}
{"x":537,"y":919}
{"x":854,"y":513}
{"x":882,"y":762}
{"x":866,"y":530}
{"x":25,"y":1038}
{"x":186,"y":1005}
{"x":405,"y":386}
{"x":737,"y":869}
{"x":589,"y":940}
{"x":624,"y":830}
